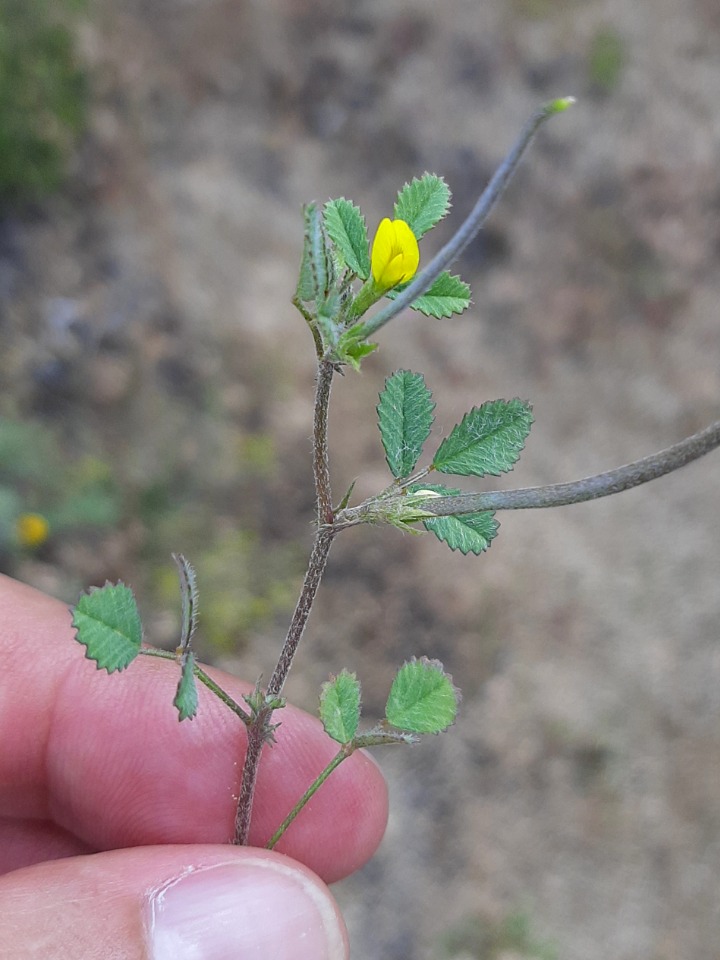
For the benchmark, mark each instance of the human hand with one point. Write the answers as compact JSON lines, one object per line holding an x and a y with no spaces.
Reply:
{"x":115,"y":820}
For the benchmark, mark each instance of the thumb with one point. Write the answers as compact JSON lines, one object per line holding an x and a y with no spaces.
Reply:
{"x":170,"y":903}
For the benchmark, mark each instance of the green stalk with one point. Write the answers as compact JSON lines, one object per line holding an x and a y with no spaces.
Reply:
{"x":203,"y":678}
{"x":344,"y":752}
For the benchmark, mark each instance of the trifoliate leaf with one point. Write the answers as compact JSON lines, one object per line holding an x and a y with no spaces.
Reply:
{"x":346,"y":228}
{"x":405,"y":415}
{"x":340,"y":706}
{"x":488,"y":440}
{"x":316,"y":266}
{"x":107,"y":622}
{"x":466,"y":532}
{"x":186,"y":697}
{"x":422,"y":203}
{"x":422,"y":697}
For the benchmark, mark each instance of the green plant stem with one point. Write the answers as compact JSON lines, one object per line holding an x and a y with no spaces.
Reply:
{"x":221,"y":694}
{"x":260,"y":729}
{"x":343,"y":753}
{"x":589,"y":488}
{"x":203,"y":678}
{"x":310,"y":320}
{"x":467,"y":231}
{"x":377,"y":737}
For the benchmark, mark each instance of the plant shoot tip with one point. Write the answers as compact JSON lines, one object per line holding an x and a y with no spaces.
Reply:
{"x":559,"y":106}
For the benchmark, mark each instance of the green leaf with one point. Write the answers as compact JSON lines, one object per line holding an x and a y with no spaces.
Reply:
{"x":316,"y":266}
{"x":488,"y":440}
{"x":405,"y":415}
{"x":356,"y":352}
{"x":422,"y":203}
{"x":107,"y":622}
{"x":186,"y":696}
{"x":346,"y":228}
{"x":189,"y":595}
{"x":466,"y":532}
{"x":448,"y":295}
{"x":422,"y":698}
{"x":340,"y":706}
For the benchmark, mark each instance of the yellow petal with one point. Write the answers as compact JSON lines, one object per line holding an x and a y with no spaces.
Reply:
{"x":395,"y":254}
{"x":382,"y":248}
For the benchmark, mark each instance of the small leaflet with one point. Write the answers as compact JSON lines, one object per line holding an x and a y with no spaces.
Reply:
{"x":423,"y":203}
{"x":422,"y":697}
{"x":186,"y":696}
{"x":108,"y":624}
{"x":488,"y":440}
{"x":405,"y":416}
{"x":346,"y":228}
{"x":340,"y":706}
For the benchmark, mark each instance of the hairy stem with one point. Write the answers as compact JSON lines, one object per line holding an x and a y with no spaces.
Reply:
{"x":315,"y":570}
{"x":468,"y":230}
{"x":321,"y":469}
{"x":260,"y":728}
{"x":255,"y":741}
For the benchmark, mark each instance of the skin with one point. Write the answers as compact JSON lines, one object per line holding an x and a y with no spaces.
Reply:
{"x":102,"y":790}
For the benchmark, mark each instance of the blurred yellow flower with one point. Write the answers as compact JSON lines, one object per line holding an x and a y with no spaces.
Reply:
{"x":32,"y":529}
{"x":395,"y":254}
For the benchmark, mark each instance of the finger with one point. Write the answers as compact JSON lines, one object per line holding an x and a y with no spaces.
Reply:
{"x":105,"y":758}
{"x":170,"y":903}
{"x":30,"y":841}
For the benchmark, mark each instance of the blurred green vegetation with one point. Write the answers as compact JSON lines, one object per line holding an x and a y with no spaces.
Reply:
{"x":482,"y":939}
{"x":37,"y":476}
{"x":245,"y":584}
{"x":43,"y":96}
{"x":605,"y":60}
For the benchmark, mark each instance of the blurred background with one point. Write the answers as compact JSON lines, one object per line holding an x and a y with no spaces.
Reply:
{"x":157,"y":396}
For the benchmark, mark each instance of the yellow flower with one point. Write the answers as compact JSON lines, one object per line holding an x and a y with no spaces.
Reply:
{"x":395,"y":254}
{"x":32,"y":529}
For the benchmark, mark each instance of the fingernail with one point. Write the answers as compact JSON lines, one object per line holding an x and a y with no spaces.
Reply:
{"x":244,"y":910}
